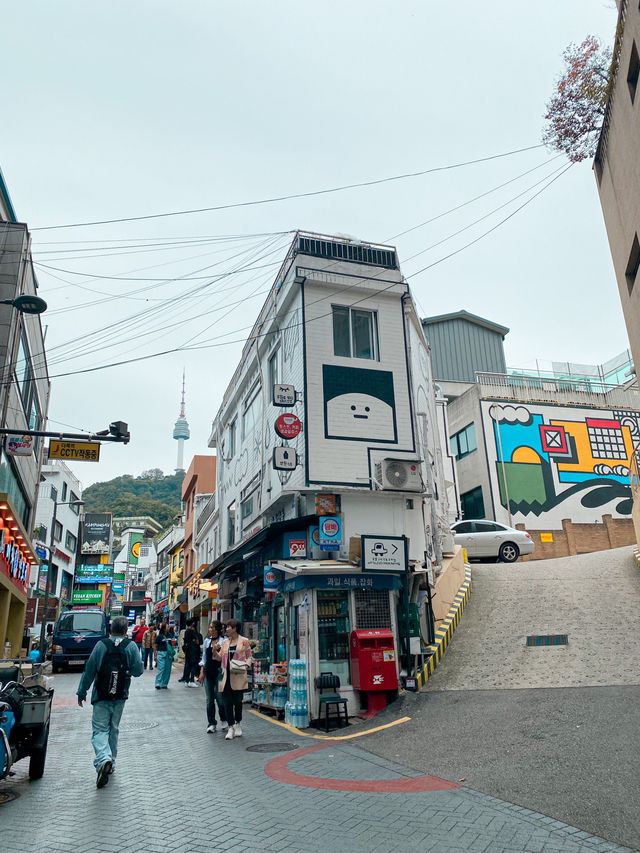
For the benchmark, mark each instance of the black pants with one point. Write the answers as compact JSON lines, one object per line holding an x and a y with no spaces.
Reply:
{"x":191,"y":664}
{"x":213,"y":699}
{"x":232,"y":703}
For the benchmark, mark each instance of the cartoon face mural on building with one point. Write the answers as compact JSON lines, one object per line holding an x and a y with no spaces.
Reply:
{"x":359,"y":404}
{"x":548,"y":457}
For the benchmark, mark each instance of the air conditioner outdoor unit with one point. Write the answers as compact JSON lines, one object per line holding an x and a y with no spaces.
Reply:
{"x":400,"y":475}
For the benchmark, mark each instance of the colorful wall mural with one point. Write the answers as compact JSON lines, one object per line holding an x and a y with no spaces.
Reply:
{"x":558,"y":462}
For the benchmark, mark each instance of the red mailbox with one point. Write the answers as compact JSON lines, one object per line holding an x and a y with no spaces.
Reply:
{"x":373,"y":666}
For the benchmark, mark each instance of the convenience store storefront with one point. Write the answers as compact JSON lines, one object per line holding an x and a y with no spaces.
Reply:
{"x":312,"y":609}
{"x":322,"y":605}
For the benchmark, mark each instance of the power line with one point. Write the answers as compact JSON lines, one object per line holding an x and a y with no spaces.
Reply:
{"x":220,"y":343}
{"x":292,"y":196}
{"x":217,"y":342}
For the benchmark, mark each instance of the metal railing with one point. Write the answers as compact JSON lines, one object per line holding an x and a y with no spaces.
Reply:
{"x":571,"y":391}
{"x":601,"y":150}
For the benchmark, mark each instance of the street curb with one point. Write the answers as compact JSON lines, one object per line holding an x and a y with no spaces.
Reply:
{"x":445,"y":632}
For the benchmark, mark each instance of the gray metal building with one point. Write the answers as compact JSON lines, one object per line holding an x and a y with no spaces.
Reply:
{"x":462,"y":344}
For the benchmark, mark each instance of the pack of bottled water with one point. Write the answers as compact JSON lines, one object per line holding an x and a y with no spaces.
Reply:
{"x":296,"y":709}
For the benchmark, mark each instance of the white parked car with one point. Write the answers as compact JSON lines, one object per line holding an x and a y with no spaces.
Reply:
{"x":483,"y":538}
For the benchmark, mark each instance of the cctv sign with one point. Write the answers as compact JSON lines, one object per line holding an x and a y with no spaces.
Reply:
{"x":384,"y":554}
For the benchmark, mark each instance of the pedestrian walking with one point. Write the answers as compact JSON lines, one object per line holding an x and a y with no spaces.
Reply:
{"x":163,"y":656}
{"x":109,"y":669}
{"x":148,"y":647}
{"x":138,"y":633}
{"x":191,"y":643}
{"x":209,"y":673}
{"x":236,"y":658}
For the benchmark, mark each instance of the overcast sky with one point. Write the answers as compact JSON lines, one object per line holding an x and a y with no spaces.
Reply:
{"x":123,"y":109}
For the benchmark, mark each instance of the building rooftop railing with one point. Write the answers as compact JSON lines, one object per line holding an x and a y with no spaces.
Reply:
{"x":541,"y":389}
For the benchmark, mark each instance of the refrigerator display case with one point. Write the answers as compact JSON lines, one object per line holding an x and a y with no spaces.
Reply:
{"x":333,"y":633}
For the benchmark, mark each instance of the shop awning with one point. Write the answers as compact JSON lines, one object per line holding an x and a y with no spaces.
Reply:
{"x":248,"y":548}
{"x":297,"y":567}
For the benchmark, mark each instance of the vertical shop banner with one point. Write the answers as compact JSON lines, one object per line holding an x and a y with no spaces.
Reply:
{"x":135,"y":541}
{"x":272,"y":578}
{"x":96,"y":533}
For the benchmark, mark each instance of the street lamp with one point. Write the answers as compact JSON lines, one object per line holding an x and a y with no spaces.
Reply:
{"x":50,"y":571}
{"x":27,"y":304}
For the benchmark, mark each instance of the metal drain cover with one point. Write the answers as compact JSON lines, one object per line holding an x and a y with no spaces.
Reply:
{"x":138,"y":727}
{"x":7,"y":796}
{"x":548,"y":640}
{"x":272,"y":747}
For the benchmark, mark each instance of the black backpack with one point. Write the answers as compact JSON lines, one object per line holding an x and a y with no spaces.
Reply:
{"x":114,"y":677}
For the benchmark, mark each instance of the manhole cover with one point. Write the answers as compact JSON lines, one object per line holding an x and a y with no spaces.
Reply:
{"x":138,"y":727}
{"x":7,"y":796}
{"x":272,"y":747}
{"x":548,"y":640}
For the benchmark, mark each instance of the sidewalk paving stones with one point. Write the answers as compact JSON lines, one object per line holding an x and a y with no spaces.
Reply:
{"x":177,"y":788}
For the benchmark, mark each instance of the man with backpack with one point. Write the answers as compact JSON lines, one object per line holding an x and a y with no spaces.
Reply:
{"x":109,"y":669}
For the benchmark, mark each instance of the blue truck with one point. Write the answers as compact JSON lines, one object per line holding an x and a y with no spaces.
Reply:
{"x":75,"y":634}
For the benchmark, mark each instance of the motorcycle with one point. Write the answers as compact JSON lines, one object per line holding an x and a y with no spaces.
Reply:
{"x":25,"y":711}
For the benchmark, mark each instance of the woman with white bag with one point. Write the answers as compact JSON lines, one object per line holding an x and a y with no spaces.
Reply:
{"x":236,"y":659}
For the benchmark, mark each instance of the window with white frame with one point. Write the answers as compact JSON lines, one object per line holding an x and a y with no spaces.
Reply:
{"x":249,"y":506}
{"x":273,"y":371}
{"x":252,"y":411}
{"x":231,"y":439}
{"x":231,"y":524}
{"x":355,"y":333}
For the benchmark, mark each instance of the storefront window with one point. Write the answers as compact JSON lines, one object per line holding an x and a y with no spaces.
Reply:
{"x":9,"y":484}
{"x":333,"y":633}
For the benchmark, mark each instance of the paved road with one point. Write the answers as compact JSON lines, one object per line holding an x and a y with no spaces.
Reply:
{"x":178,"y":789}
{"x":569,"y":747}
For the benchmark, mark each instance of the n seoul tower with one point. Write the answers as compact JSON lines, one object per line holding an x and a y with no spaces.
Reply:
{"x":181,"y":432}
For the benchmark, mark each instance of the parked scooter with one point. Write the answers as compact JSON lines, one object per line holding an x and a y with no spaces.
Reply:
{"x":25,"y":710}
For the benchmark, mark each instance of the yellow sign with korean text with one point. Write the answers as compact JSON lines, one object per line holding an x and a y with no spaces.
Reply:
{"x":74,"y":451}
{"x":546,"y":537}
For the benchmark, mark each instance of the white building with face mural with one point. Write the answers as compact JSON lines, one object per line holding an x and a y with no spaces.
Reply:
{"x":331,"y":414}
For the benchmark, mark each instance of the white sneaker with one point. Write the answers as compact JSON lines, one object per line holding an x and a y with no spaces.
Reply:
{"x":210,"y":729}
{"x":192,"y":684}
{"x":229,"y":734}
{"x":224,"y":727}
{"x":237,"y":731}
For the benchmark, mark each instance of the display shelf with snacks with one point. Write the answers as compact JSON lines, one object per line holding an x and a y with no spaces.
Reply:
{"x":270,"y":688}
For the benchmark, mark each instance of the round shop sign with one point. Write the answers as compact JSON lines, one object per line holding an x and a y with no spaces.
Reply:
{"x":288,"y":426}
{"x":330,"y":528}
{"x":270,"y":577}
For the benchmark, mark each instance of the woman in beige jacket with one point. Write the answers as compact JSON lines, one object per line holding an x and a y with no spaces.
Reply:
{"x":236,"y":658}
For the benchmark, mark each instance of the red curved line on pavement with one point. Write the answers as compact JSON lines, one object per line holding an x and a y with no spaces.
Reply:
{"x":277,"y":768}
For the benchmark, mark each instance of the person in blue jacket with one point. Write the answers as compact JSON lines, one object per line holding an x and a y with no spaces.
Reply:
{"x":110,"y":692}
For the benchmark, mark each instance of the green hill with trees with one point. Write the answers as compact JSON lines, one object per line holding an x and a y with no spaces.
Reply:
{"x":152,"y":493}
